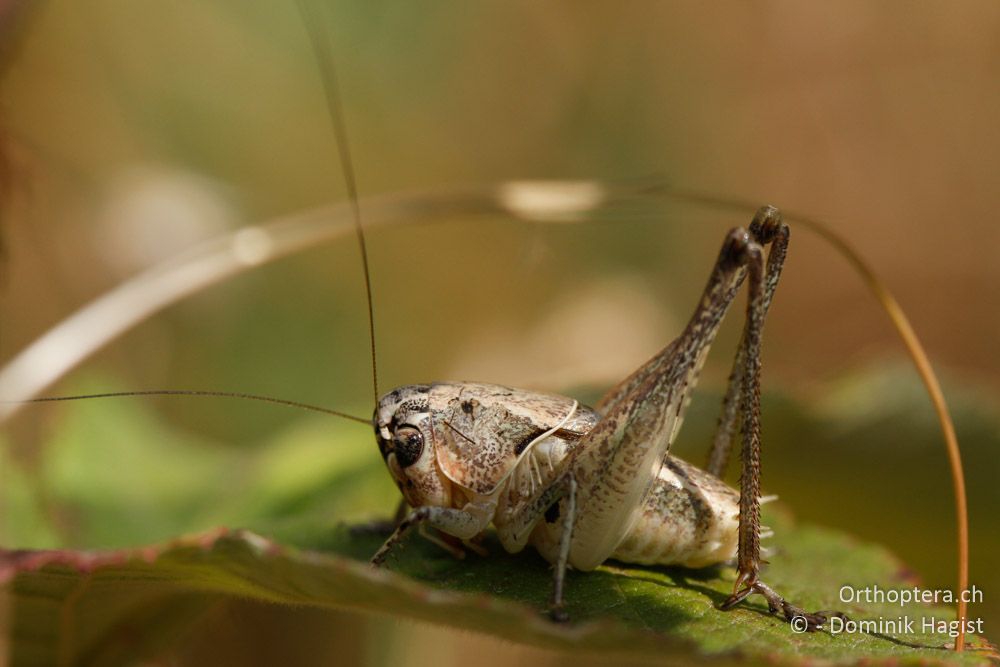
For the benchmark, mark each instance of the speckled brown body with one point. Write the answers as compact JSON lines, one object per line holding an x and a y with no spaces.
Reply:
{"x":583,"y":485}
{"x":489,"y":444}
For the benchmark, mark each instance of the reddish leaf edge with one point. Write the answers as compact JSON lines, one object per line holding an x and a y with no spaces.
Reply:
{"x":609,"y":636}
{"x":534,"y":627}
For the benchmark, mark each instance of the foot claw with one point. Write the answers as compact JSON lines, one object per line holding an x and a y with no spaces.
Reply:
{"x":810,"y":622}
{"x":558,"y":614}
{"x":736,"y":598}
{"x":378,"y":560}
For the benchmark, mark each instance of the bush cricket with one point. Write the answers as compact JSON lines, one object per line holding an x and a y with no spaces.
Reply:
{"x":583,"y":484}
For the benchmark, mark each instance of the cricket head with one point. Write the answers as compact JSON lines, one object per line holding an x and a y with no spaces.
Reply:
{"x":403,"y":429}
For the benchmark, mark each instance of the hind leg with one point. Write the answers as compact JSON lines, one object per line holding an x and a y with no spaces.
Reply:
{"x":747,"y":369}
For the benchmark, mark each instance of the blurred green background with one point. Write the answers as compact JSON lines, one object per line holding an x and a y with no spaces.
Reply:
{"x":132,"y":130}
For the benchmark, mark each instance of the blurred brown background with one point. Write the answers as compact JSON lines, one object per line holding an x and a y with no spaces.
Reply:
{"x":131,"y":130}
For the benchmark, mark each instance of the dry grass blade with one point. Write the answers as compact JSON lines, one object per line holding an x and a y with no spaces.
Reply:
{"x":98,"y":323}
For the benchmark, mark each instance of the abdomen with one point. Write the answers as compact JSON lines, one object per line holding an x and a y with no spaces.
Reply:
{"x":689,"y":518}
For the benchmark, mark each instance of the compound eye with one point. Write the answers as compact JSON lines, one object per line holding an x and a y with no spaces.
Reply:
{"x":408,"y":444}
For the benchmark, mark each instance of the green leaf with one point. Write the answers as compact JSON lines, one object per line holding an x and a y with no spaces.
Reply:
{"x":78,"y":606}
{"x":114,"y":476}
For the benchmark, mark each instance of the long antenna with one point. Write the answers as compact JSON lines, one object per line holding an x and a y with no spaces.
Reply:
{"x":195,"y":392}
{"x":324,"y":60}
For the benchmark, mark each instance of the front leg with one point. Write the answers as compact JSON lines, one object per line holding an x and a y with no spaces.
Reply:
{"x":463,"y":523}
